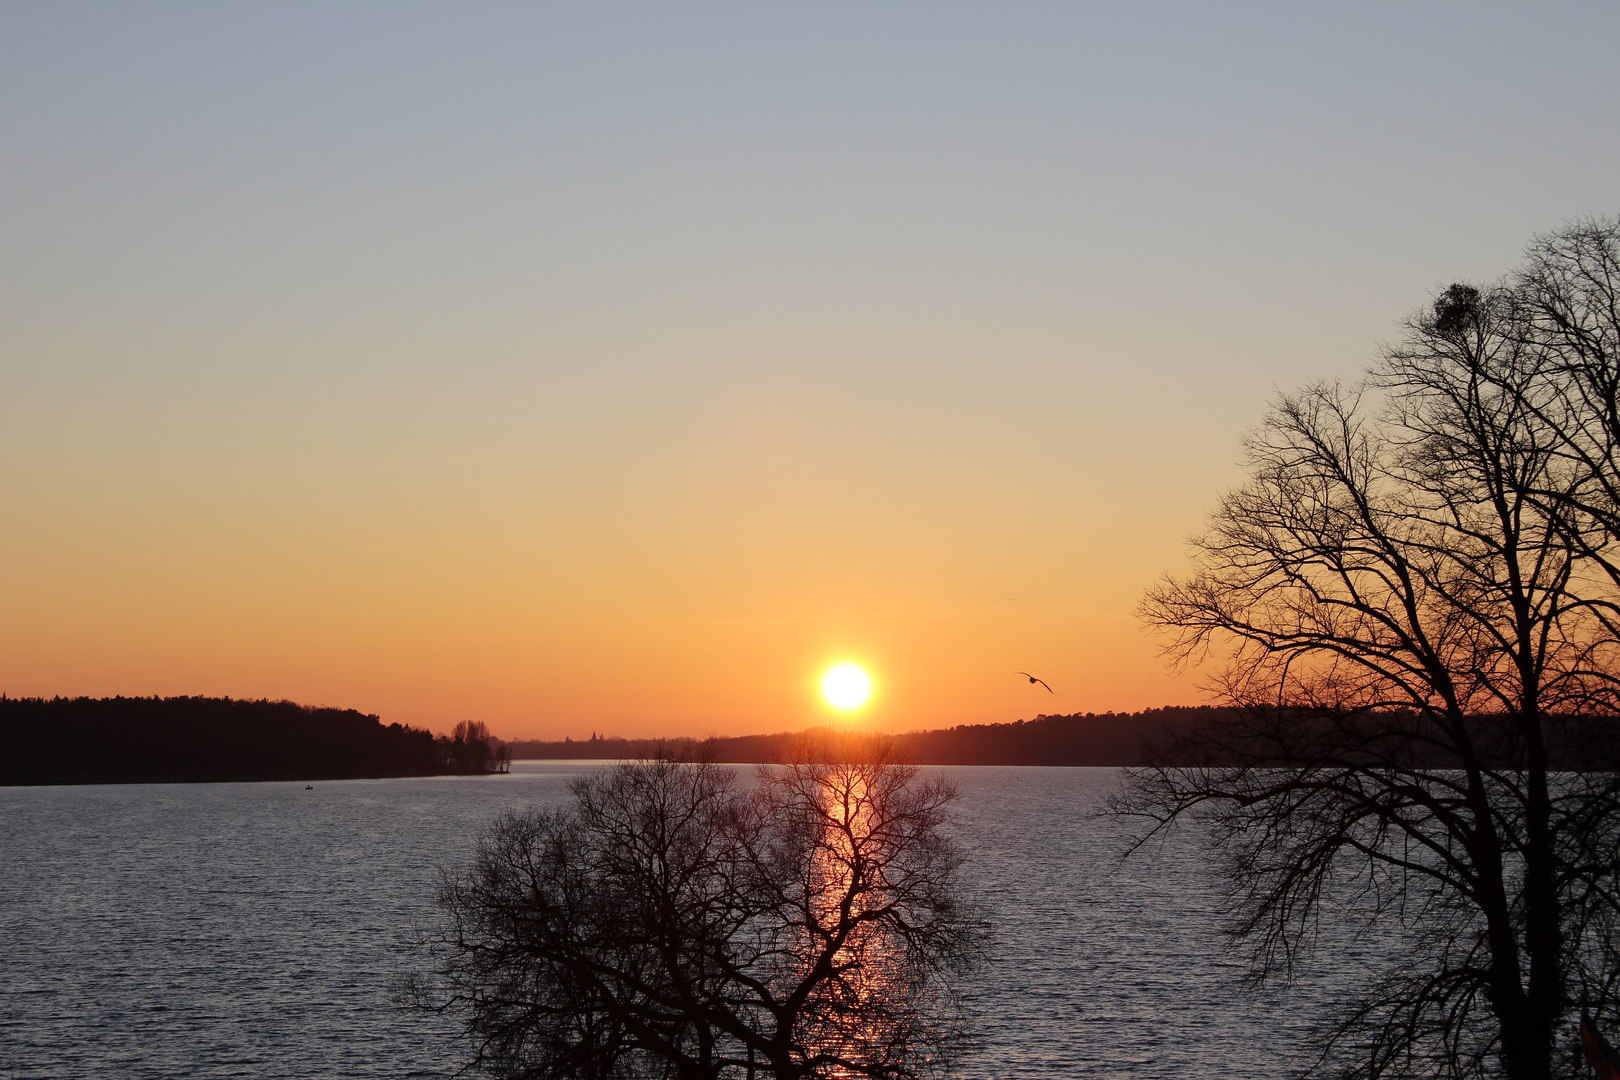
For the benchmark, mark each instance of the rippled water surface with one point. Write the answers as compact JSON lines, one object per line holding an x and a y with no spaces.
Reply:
{"x":253,"y":930}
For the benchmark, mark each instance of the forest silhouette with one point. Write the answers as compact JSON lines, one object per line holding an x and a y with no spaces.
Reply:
{"x":163,"y":740}
{"x":1096,"y":739}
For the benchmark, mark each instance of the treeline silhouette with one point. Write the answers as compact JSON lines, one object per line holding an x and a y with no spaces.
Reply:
{"x":1100,"y":739}
{"x":160,"y":740}
{"x":1158,"y":737}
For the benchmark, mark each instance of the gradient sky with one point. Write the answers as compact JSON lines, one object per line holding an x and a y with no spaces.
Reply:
{"x":618,"y":367}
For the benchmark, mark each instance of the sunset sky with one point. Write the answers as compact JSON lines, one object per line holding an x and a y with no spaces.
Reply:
{"x":622,"y":367}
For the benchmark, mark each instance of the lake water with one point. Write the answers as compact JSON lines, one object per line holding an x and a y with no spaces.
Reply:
{"x":254,"y":930}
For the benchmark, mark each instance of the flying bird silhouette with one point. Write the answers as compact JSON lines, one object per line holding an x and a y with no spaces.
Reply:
{"x":1033,"y":679}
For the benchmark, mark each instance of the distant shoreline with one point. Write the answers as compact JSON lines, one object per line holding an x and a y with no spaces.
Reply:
{"x":929,"y":764}
{"x":157,"y":740}
{"x":1078,"y":739}
{"x":223,"y":740}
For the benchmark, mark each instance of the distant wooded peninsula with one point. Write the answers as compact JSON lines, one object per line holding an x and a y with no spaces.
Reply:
{"x":124,"y":740}
{"x":1098,"y":739}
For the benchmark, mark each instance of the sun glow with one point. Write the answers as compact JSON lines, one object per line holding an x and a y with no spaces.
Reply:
{"x":846,"y":686}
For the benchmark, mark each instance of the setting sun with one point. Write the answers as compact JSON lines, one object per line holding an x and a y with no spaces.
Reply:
{"x":846,"y":687}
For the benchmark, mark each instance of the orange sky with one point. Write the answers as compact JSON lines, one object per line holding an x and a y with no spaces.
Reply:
{"x":586,"y":368}
{"x":695,"y":582}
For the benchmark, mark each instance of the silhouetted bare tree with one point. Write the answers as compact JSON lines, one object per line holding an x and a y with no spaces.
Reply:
{"x":675,"y":921}
{"x":1414,"y":602}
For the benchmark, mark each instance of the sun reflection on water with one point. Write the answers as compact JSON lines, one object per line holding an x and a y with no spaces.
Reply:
{"x":849,"y":894}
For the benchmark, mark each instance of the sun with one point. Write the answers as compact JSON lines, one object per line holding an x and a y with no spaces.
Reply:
{"x":846,"y":687}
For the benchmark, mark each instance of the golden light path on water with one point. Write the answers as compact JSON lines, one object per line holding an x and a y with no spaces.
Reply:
{"x":848,"y":877}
